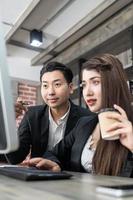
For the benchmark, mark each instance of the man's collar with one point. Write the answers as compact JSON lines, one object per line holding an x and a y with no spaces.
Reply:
{"x":63,"y":117}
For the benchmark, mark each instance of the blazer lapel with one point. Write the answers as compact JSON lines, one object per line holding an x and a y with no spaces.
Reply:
{"x":44,"y":119}
{"x":72,"y":119}
{"x":81,"y":140}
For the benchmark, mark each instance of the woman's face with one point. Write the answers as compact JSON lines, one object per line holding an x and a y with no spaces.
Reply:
{"x":92,"y":92}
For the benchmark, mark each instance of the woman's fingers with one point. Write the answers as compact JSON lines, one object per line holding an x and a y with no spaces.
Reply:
{"x":118,"y":116}
{"x":121,"y":111}
{"x":114,"y":126}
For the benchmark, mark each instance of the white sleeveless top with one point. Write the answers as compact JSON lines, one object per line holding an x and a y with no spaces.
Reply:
{"x":87,"y":156}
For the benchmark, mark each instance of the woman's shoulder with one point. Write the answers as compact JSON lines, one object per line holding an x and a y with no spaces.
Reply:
{"x":88,"y":119}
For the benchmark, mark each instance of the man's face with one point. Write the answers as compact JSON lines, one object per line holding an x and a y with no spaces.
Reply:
{"x":54,"y":89}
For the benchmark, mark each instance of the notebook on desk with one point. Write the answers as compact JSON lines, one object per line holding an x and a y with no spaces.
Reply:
{"x":30,"y":174}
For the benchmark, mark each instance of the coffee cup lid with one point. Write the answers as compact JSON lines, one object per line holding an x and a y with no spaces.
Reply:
{"x":107,"y":109}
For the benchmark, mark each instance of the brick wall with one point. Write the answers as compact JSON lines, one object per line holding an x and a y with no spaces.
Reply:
{"x":28,"y":94}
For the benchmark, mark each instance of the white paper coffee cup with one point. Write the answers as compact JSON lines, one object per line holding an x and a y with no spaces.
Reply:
{"x":105,"y":123}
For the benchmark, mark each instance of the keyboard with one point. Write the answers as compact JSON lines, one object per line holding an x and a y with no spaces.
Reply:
{"x":32,"y":173}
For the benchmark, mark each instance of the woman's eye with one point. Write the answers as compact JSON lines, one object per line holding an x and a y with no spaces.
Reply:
{"x":96,"y":82}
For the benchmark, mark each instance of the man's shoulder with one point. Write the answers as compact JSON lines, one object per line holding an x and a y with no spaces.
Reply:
{"x":36,"y":109}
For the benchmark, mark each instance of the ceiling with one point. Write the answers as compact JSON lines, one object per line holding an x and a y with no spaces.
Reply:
{"x":63,"y":23}
{"x":54,"y":17}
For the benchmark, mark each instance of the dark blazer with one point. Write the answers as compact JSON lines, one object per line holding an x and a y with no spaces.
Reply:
{"x":34,"y":131}
{"x":67,"y":153}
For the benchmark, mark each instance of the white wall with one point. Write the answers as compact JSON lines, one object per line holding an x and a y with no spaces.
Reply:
{"x":20,"y":68}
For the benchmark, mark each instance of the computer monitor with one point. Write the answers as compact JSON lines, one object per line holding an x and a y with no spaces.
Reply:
{"x":8,"y":133}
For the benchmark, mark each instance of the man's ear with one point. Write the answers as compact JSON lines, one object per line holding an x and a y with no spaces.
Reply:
{"x":71,"y":87}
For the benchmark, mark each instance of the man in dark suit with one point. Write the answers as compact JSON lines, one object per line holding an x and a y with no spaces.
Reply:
{"x":44,"y":126}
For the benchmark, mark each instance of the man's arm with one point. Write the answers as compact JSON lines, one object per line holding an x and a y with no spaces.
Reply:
{"x":59,"y":157}
{"x":24,"y":133}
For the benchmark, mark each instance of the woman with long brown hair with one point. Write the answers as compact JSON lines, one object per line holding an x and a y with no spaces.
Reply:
{"x":110,"y":155}
{"x":104,"y":86}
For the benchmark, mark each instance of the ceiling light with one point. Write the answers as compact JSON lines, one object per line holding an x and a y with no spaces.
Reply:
{"x":36,"y":38}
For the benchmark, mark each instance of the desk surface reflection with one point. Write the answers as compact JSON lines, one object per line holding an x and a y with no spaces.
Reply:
{"x":80,"y":186}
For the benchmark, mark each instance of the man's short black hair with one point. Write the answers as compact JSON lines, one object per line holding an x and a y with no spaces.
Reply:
{"x":52,"y":66}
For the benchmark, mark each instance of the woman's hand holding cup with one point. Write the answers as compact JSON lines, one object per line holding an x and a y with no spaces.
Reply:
{"x":121,"y":128}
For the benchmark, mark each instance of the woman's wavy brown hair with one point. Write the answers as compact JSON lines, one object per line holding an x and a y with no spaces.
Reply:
{"x":110,"y":155}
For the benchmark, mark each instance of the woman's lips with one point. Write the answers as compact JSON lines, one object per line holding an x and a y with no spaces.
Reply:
{"x":91,"y":102}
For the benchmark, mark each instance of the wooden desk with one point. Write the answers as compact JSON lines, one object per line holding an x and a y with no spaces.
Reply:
{"x":80,"y":187}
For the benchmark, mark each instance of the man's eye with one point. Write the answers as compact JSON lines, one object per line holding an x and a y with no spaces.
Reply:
{"x":45,"y":86}
{"x":57,"y":84}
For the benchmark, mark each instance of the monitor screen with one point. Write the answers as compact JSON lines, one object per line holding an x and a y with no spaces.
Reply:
{"x":8,"y":133}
